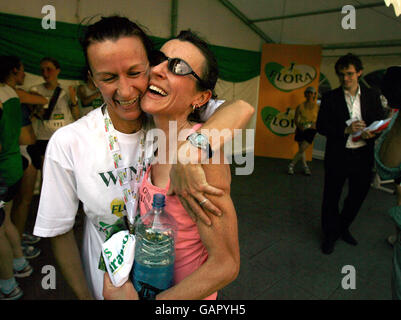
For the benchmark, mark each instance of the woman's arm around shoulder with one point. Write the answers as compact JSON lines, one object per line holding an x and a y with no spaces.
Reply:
{"x":230,"y":115}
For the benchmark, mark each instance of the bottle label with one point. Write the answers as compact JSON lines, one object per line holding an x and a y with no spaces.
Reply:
{"x":151,"y":280}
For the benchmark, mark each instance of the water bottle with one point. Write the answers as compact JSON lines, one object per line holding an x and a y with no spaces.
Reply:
{"x":154,"y":250}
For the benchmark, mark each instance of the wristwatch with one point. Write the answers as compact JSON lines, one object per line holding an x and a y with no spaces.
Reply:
{"x":202,"y":142}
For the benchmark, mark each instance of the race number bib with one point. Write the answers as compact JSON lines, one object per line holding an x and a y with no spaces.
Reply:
{"x":55,"y":124}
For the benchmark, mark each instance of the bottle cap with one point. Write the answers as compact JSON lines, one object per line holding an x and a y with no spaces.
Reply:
{"x":158,"y":200}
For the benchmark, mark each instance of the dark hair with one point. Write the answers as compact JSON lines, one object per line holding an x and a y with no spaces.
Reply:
{"x":391,"y":86}
{"x":346,"y":61}
{"x":7,"y":64}
{"x":113,"y":28}
{"x":210,"y":71}
{"x":52,"y":60}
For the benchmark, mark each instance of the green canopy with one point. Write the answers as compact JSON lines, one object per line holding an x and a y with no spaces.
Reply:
{"x":24,"y":37}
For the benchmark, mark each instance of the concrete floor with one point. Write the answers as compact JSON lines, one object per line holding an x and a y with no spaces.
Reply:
{"x":279,"y":232}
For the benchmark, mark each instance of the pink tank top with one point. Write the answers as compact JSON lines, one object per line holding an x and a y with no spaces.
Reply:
{"x":190,"y":253}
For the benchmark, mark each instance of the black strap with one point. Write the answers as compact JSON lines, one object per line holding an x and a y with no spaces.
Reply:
{"x":147,"y":291}
{"x":52,"y":103}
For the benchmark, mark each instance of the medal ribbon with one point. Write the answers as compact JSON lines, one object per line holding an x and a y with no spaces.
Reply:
{"x":129,"y":192}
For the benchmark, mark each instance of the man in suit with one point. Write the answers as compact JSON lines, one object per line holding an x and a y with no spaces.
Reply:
{"x":344,"y":111}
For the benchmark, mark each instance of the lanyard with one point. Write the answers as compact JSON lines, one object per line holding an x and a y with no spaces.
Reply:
{"x":129,"y":192}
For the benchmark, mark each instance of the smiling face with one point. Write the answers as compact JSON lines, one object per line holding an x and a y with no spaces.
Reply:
{"x":120,"y":69}
{"x":171,"y":95}
{"x":349,"y":77}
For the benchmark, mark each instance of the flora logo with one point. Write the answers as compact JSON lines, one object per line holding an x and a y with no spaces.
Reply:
{"x":279,"y":123}
{"x":289,"y":78}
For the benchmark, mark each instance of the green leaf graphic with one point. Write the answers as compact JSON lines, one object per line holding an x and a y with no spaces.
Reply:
{"x":271,"y":70}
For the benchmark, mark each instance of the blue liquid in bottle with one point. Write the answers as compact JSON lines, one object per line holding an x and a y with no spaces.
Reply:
{"x":155,"y":234}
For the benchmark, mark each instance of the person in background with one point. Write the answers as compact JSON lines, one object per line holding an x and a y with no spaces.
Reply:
{"x":61,"y":110}
{"x":344,"y":111}
{"x":89,"y":96}
{"x":13,"y":261}
{"x":388,"y":164}
{"x":23,"y":199}
{"x":305,"y":122}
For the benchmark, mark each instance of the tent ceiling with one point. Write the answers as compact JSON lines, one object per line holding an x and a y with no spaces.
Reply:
{"x":377,"y":32}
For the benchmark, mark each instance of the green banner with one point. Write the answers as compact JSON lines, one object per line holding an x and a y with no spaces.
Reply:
{"x":24,"y":37}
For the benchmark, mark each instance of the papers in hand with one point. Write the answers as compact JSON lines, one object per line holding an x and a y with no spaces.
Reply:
{"x":375,"y":127}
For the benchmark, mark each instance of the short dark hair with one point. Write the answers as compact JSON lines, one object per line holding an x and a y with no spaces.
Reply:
{"x":52,"y":60}
{"x":346,"y":61}
{"x":7,"y":64}
{"x":391,"y":86}
{"x":210,"y":72}
{"x":113,"y":28}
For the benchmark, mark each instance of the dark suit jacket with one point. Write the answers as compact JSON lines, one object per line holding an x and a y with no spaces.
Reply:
{"x":334,"y":113}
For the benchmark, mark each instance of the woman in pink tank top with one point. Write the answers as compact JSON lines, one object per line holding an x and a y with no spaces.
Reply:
{"x":190,"y":253}
{"x":207,"y":257}
{"x":182,"y":78}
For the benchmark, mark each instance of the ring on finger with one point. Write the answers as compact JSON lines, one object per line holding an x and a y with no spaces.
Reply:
{"x":202,"y":202}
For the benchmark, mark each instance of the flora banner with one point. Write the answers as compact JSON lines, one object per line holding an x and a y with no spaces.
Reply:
{"x":286,"y":71}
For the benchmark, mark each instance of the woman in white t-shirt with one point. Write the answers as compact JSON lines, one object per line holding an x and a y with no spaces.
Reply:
{"x":50,"y":117}
{"x":83,"y":163}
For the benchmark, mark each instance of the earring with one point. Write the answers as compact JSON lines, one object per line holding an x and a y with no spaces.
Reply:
{"x":195,"y":106}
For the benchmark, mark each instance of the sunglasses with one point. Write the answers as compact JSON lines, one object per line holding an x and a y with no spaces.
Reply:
{"x":177,"y":66}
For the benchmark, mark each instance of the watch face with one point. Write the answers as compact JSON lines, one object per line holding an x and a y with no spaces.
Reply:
{"x":198,"y":140}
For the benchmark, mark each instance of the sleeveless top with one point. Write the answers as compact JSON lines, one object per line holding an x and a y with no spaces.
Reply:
{"x":190,"y":253}
{"x":307,"y":114}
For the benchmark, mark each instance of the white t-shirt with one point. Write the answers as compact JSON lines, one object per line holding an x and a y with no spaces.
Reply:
{"x":78,"y":166}
{"x":60,"y":116}
{"x":212,"y":106}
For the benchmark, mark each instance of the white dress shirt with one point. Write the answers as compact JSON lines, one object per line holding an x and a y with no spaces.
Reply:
{"x":354,"y":108}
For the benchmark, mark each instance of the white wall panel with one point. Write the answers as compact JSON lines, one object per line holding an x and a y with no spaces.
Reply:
{"x":217,"y":24}
{"x":153,"y":14}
